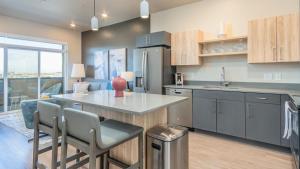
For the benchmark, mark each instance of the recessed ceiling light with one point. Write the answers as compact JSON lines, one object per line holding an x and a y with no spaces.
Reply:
{"x":73,"y":25}
{"x":104,"y":15}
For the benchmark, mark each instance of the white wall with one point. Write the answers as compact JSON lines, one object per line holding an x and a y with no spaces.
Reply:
{"x":206,"y":16}
{"x":31,"y":29}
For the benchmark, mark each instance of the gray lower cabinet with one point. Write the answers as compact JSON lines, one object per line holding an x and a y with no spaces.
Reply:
{"x":263,"y":122}
{"x":231,"y":118}
{"x":204,"y":113}
{"x":254,"y":116}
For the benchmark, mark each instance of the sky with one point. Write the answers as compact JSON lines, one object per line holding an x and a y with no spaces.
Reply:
{"x":26,"y":61}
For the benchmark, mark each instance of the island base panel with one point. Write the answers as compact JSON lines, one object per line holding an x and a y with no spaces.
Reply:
{"x":128,"y":152}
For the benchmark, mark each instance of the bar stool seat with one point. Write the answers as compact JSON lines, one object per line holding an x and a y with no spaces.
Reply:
{"x":114,"y":132}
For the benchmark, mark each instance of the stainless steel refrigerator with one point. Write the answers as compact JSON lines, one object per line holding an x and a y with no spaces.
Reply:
{"x":152,"y":68}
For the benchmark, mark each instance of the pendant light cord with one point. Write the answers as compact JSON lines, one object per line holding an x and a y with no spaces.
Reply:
{"x":94,"y":7}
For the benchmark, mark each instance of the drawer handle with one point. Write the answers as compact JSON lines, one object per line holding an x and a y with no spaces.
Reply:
{"x":262,"y":98}
{"x":177,"y":92}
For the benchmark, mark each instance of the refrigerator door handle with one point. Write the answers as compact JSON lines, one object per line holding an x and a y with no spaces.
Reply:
{"x":143,"y":58}
{"x":146,"y":71}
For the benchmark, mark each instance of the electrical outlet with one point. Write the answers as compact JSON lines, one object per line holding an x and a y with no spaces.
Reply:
{"x":268,"y":76}
{"x":277,"y":76}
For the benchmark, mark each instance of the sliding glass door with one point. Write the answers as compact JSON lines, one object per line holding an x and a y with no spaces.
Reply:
{"x":1,"y":79}
{"x":29,"y":70}
{"x":22,"y":74}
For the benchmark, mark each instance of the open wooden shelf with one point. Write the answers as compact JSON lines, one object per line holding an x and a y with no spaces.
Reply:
{"x":224,"y":54}
{"x":223,"y":39}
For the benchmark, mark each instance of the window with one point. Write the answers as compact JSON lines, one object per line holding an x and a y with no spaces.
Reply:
{"x":29,"y":70}
{"x":51,"y":64}
{"x":1,"y":80}
{"x":22,"y":63}
{"x":28,"y":43}
{"x":51,"y":73}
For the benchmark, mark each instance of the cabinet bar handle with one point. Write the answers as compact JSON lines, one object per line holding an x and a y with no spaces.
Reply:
{"x":249,"y":111}
{"x":281,"y":49}
{"x":262,"y":98}
{"x":274,"y":53}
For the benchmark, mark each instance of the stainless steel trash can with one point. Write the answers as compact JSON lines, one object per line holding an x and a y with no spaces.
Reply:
{"x":167,"y":147}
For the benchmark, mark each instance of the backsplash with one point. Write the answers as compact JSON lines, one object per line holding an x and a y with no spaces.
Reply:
{"x":238,"y":70}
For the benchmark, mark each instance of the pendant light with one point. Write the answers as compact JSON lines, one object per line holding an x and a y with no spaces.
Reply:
{"x":144,"y":9}
{"x":94,"y":20}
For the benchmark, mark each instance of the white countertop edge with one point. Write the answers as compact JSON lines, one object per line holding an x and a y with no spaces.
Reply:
{"x":121,"y":110}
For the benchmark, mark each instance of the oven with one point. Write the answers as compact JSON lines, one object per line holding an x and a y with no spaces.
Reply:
{"x":291,"y":131}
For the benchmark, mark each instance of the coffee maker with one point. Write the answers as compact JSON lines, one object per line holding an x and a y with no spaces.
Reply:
{"x":179,"y":78}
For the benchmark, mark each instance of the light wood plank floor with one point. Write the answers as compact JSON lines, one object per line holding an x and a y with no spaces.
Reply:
{"x":214,"y":152}
{"x":206,"y":152}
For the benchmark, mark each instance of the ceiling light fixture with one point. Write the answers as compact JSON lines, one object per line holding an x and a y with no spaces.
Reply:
{"x":144,"y":9}
{"x":73,"y":25}
{"x":94,"y":20}
{"x":104,"y":15}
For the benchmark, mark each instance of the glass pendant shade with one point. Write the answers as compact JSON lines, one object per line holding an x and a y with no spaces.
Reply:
{"x":144,"y":9}
{"x":94,"y":23}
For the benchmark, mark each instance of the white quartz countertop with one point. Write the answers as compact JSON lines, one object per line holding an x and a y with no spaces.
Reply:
{"x":138,"y":103}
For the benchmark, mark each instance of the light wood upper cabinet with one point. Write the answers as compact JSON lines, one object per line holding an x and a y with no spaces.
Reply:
{"x":256,"y":40}
{"x":288,"y":38}
{"x":274,"y":39}
{"x":185,"y":48}
{"x":270,"y":40}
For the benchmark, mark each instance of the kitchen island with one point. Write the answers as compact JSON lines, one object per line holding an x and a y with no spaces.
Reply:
{"x":142,"y":109}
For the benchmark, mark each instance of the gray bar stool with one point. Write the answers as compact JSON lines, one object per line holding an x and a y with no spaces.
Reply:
{"x":84,"y":131}
{"x":47,"y":119}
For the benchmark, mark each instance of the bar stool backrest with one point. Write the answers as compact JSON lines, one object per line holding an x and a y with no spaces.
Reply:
{"x":80,"y":123}
{"x":47,"y":111}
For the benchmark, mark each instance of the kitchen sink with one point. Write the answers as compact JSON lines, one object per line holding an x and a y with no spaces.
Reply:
{"x":220,"y":87}
{"x":231,"y":87}
{"x":212,"y":87}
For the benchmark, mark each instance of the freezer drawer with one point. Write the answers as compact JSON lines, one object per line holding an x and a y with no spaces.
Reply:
{"x":181,"y":113}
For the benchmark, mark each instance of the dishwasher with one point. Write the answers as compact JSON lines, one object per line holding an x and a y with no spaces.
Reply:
{"x":181,"y":113}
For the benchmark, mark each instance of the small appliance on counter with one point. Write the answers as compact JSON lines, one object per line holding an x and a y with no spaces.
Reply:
{"x":179,"y":78}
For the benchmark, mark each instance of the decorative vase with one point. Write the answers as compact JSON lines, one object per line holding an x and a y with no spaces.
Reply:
{"x":119,"y":85}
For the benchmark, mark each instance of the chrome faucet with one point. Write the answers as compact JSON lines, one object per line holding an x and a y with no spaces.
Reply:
{"x":223,"y":81}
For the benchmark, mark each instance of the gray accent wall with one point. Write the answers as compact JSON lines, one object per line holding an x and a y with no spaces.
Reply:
{"x":120,"y":35}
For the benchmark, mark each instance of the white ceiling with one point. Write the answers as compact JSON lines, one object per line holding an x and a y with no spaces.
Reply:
{"x":62,"y":12}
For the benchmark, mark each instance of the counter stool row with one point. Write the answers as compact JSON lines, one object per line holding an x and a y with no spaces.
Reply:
{"x":83,"y":130}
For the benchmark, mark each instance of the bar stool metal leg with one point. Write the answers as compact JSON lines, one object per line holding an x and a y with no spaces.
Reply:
{"x":92,"y":161}
{"x":63,"y":157}
{"x":106,"y":163}
{"x":35,"y":141}
{"x":54,"y":143}
{"x":77,"y":152}
{"x":141,"y":152}
{"x":101,"y":161}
